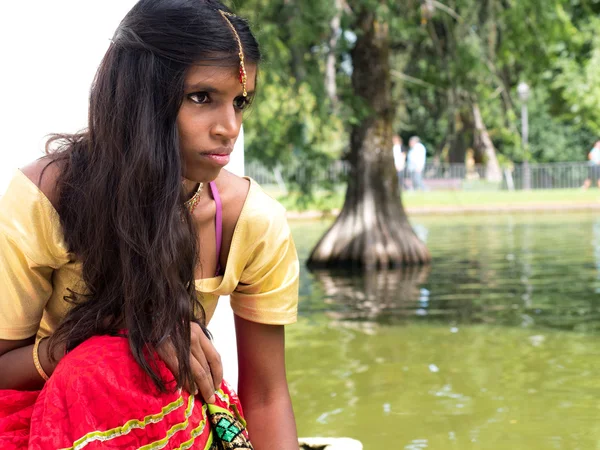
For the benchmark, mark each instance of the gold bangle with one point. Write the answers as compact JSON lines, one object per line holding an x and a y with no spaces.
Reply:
{"x":36,"y":360}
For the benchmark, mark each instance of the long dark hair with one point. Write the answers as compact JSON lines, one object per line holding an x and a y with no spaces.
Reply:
{"x":120,"y":188}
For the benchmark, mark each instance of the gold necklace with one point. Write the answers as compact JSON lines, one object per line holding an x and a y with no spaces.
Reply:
{"x":193,"y":202}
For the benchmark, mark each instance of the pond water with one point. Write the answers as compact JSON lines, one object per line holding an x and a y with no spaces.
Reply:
{"x":495,"y":346}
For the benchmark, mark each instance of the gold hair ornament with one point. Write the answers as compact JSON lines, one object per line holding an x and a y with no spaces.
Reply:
{"x":243,"y":76}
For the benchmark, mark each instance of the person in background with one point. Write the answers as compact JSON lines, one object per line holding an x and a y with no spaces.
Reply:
{"x":416,"y":158}
{"x":399,"y":159}
{"x":594,"y":170}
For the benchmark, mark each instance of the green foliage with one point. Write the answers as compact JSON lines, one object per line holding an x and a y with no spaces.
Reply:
{"x":474,"y":50}
{"x":444,"y":60}
{"x":276,"y":135}
{"x":291,"y":122}
{"x":555,"y":138}
{"x":578,"y":76}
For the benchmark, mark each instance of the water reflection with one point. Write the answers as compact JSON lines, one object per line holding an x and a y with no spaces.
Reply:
{"x":374,"y":295}
{"x":478,"y":387}
{"x":495,"y":346}
{"x":523,"y":271}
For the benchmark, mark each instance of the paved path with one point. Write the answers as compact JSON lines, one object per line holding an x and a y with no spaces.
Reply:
{"x":469,"y":209}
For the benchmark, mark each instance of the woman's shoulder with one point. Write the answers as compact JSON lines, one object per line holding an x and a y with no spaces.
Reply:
{"x":263,"y":218}
{"x":28,"y":219}
{"x":44,"y":173}
{"x":233,"y":191}
{"x":250,"y":198}
{"x":250,"y":207}
{"x":262,"y":203}
{"x":243,"y":196}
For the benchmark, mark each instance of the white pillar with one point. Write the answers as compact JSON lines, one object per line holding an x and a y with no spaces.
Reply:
{"x":222,"y":325}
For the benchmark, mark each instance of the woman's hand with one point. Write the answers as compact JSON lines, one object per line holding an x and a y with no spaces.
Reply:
{"x":205,"y":362}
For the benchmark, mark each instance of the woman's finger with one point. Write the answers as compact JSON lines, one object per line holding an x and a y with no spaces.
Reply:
{"x":211,"y":356}
{"x":203,"y":381}
{"x":201,"y":371}
{"x":214,"y":361}
{"x":205,"y":363}
{"x":166,"y":352}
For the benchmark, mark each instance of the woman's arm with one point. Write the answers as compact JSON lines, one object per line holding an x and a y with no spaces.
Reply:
{"x":17,"y":370}
{"x":263,"y":388}
{"x":28,"y":258}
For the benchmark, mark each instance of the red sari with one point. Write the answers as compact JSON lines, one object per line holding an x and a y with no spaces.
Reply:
{"x":99,"y":398}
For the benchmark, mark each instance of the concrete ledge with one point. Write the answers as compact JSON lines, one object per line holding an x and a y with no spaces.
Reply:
{"x":318,"y":443}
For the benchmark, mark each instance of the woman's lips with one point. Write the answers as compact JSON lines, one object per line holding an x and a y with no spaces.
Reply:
{"x":220,"y":159}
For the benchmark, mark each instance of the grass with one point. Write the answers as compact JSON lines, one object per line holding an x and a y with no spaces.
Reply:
{"x":499,"y":198}
{"x":321,"y":200}
{"x":326,"y":201}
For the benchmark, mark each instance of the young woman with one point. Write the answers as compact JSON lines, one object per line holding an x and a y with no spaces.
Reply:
{"x":115,"y":248}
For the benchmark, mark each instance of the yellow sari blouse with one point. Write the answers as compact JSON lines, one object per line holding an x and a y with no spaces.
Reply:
{"x":36,"y":268}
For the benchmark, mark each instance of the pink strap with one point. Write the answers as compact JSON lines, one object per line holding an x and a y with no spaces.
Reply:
{"x":218,"y":222}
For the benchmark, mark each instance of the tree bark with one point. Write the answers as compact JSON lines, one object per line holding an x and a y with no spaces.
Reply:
{"x":484,"y":143}
{"x":290,"y":11}
{"x":330,"y":64}
{"x":372,"y":230}
{"x":456,"y":127}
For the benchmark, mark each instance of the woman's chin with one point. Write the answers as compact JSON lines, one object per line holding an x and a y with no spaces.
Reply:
{"x":203,"y":176}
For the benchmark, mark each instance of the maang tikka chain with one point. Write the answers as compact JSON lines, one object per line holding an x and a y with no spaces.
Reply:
{"x":243,"y":75}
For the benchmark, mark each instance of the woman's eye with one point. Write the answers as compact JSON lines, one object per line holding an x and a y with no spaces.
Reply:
{"x":242,"y":103}
{"x":199,"y":97}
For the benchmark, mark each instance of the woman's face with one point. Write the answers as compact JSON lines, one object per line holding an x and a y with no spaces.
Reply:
{"x":210,"y":118}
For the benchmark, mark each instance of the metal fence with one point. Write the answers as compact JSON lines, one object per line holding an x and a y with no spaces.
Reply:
{"x":551,"y":175}
{"x":436,"y":176}
{"x":333,"y":174}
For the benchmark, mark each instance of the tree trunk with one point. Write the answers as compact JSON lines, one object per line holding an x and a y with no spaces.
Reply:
{"x":484,"y":143}
{"x":372,"y":230}
{"x":457,"y":148}
{"x":330,"y":65}
{"x":291,"y":11}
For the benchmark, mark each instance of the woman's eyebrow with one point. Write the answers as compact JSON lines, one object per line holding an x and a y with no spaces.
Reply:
{"x":210,"y":89}
{"x":202,"y":87}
